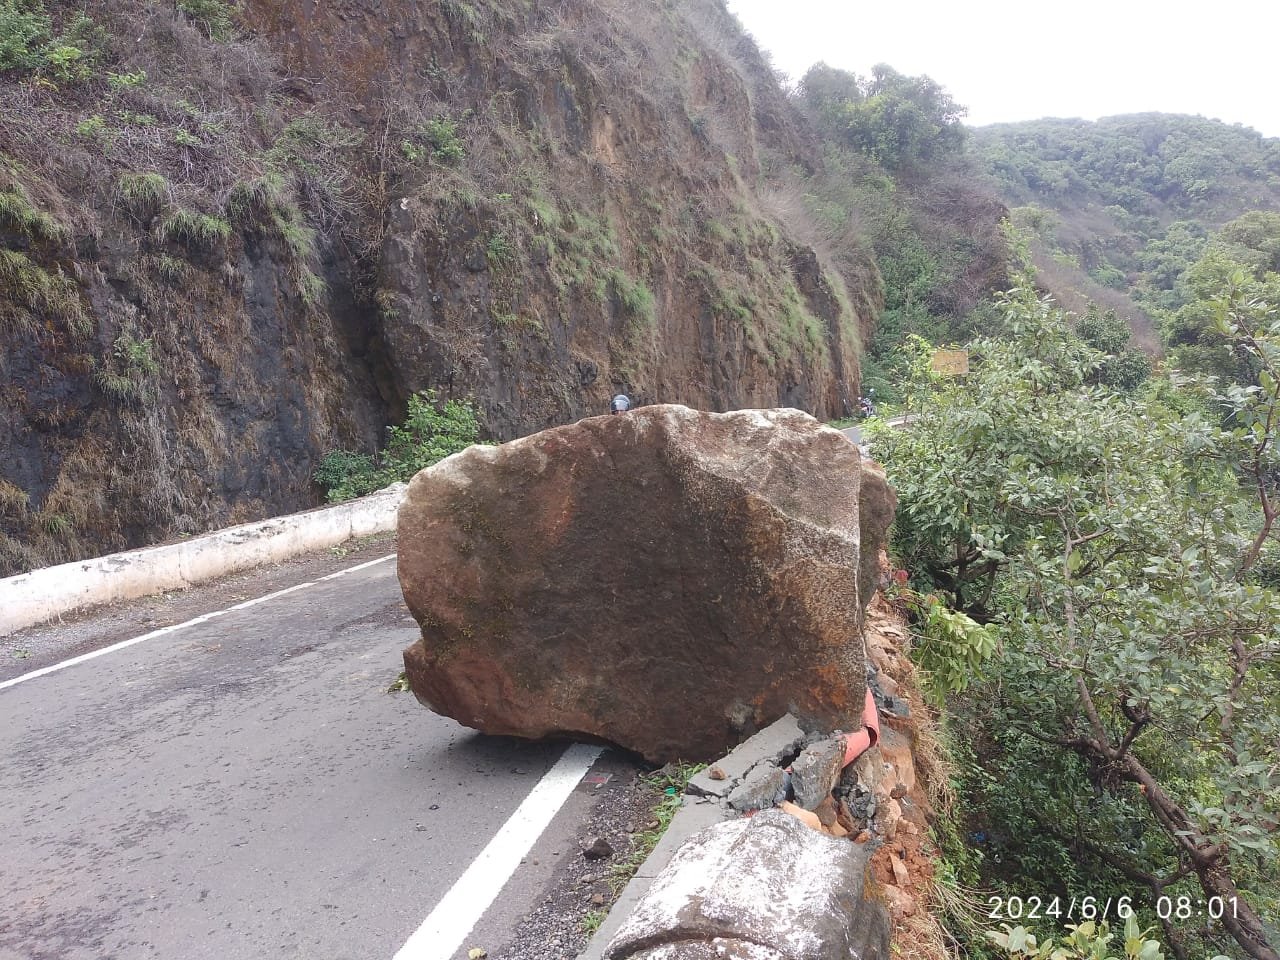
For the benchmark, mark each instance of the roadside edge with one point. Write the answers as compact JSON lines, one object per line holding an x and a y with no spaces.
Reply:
{"x":32,"y":598}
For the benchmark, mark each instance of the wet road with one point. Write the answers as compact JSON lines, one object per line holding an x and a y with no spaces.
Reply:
{"x":247,"y":787}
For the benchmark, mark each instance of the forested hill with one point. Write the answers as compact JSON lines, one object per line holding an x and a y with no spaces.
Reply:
{"x":1121,"y":207}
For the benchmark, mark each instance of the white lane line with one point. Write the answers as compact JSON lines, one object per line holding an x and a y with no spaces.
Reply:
{"x":444,"y":931}
{"x":203,"y":618}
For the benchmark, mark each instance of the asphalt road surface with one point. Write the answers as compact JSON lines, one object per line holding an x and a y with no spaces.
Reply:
{"x":247,"y":787}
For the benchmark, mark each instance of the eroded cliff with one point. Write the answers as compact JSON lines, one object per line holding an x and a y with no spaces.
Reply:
{"x":233,"y":243}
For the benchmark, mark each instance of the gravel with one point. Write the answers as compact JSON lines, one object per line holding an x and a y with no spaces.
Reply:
{"x":556,"y":929}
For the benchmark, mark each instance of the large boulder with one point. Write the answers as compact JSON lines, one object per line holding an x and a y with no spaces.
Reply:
{"x":666,"y":580}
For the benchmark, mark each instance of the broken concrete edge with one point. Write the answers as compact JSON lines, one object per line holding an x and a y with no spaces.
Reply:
{"x":708,"y":800}
{"x":28,"y":599}
{"x":780,"y":738}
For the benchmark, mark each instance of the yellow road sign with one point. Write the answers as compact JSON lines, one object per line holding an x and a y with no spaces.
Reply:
{"x":950,"y":363}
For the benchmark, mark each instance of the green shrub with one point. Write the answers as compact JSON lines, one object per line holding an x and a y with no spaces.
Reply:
{"x":255,"y":201}
{"x":169,"y":269}
{"x":412,"y":152}
{"x":195,"y":230}
{"x":136,"y":119}
{"x":95,"y":128}
{"x":125,"y":374}
{"x":298,"y":238}
{"x":29,"y":292}
{"x":19,"y":215}
{"x":135,"y":354}
{"x":213,"y":15}
{"x":125,"y":81}
{"x":56,"y":525}
{"x":345,"y":475}
{"x":309,"y":146}
{"x":311,"y":288}
{"x":499,"y":251}
{"x":633,"y":296}
{"x":436,"y":140}
{"x":1085,"y":941}
{"x":431,"y":431}
{"x":142,"y":194}
{"x":949,"y":646}
{"x":25,"y":29}
{"x":23,"y":26}
{"x":71,"y":56}
{"x":117,"y":386}
{"x":446,"y":146}
{"x":65,"y":63}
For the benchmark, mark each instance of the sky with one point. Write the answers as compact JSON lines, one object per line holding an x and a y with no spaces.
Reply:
{"x":1023,"y":60}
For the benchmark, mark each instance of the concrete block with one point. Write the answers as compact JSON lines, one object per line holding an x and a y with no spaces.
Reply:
{"x":770,"y":882}
{"x":716,"y":950}
{"x":693,"y":816}
{"x":779,"y":739}
{"x":764,"y":787}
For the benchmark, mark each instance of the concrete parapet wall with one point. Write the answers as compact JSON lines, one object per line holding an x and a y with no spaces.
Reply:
{"x":31,"y":598}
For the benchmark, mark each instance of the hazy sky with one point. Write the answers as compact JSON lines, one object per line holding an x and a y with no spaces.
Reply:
{"x":1008,"y":60}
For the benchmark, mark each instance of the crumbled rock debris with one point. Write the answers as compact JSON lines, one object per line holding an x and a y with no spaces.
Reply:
{"x":554,"y":930}
{"x":815,"y":770}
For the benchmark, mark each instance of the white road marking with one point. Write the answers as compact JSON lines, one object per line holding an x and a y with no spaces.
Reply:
{"x":445,"y":929}
{"x":203,"y":618}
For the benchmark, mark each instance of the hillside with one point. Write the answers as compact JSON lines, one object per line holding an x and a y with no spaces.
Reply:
{"x":235,"y":239}
{"x":1122,"y":207}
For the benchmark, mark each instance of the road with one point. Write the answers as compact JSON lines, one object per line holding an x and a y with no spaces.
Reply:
{"x":247,"y":787}
{"x":900,"y":422}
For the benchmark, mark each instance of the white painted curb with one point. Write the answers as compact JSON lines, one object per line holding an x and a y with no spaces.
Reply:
{"x":32,"y":598}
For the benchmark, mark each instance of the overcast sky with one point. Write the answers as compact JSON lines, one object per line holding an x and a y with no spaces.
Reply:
{"x":1021,"y":60}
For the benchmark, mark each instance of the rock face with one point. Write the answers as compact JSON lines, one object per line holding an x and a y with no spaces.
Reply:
{"x":666,"y":580}
{"x":767,"y":888}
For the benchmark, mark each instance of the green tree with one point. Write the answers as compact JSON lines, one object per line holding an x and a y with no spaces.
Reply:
{"x":897,"y":120}
{"x":23,"y":27}
{"x":1165,"y":259}
{"x":1122,"y":367}
{"x":1024,"y":395}
{"x":1131,"y":717}
{"x":1254,"y":241}
{"x":1249,"y":247}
